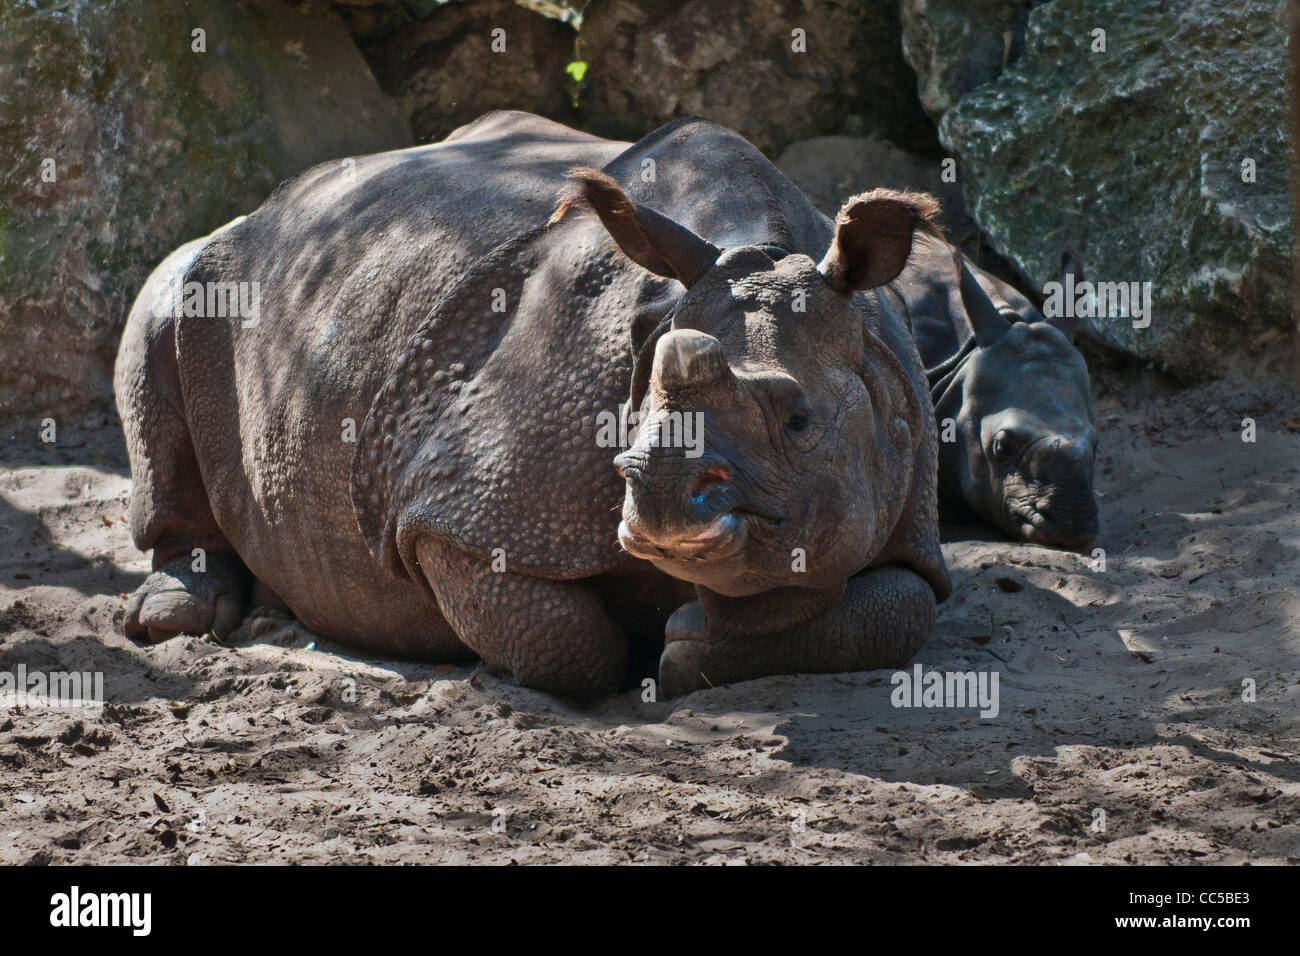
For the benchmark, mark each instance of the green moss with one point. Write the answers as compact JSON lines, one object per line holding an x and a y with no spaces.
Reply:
{"x":1133,"y":157}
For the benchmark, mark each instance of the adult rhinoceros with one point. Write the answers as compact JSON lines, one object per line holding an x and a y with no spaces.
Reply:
{"x":408,"y":441}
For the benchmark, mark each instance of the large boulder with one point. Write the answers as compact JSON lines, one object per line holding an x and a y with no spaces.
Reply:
{"x":466,"y":59}
{"x":152,"y":144}
{"x":1134,"y":157}
{"x":651,"y":61}
{"x":956,"y":46}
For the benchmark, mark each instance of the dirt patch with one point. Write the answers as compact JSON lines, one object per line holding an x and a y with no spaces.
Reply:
{"x":1124,"y":733}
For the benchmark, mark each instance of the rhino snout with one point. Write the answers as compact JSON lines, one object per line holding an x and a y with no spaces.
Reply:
{"x":1062,"y":510}
{"x":676,"y":508}
{"x":1071,"y":513}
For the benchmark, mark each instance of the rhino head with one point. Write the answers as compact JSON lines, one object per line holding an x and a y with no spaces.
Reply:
{"x":1026,"y":439}
{"x":777,"y":433}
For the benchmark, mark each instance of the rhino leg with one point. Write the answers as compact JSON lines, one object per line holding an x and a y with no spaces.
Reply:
{"x":884,"y":617}
{"x":551,"y":635}
{"x":169,"y":512}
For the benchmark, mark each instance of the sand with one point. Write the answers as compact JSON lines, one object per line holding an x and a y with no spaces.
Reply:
{"x":1122,"y":734}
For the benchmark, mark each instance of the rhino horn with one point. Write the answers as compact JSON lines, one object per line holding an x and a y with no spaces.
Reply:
{"x":986,"y":321}
{"x":651,"y":240}
{"x":685,"y":358}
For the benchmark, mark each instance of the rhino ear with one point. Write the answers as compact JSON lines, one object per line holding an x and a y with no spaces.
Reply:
{"x":1071,"y":265}
{"x":986,"y":321}
{"x":652,"y":241}
{"x":873,"y":237}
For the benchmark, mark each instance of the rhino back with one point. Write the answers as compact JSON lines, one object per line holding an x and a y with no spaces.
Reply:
{"x":927,"y":296}
{"x":716,"y":183}
{"x":348,"y":259}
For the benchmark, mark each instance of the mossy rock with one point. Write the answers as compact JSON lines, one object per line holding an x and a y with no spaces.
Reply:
{"x":152,"y":143}
{"x":1134,"y":158}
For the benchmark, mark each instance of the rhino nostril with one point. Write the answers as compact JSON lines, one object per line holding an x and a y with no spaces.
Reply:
{"x":712,"y":493}
{"x":713,"y":475}
{"x":628,"y":462}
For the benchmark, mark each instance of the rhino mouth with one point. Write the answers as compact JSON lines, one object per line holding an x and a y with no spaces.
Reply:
{"x":1044,"y":521}
{"x":723,"y":538}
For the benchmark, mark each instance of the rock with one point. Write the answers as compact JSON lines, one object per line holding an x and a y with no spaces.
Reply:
{"x":152,"y":144}
{"x":1134,"y":158}
{"x":651,"y":61}
{"x":369,"y":19}
{"x":956,"y":46}
{"x":444,"y":72}
{"x":374,"y":19}
{"x":1294,"y":12}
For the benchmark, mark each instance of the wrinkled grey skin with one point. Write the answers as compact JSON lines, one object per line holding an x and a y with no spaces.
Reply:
{"x":1017,"y":393}
{"x":428,"y":307}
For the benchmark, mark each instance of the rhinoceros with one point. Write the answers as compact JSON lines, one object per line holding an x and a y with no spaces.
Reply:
{"x":416,"y":442}
{"x":1020,"y":449}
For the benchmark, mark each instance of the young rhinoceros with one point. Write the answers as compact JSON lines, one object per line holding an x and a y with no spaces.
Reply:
{"x":409,"y":445}
{"x":1019,"y":453}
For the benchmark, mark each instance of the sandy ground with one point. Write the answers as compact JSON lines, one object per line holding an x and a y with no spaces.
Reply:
{"x":1122,"y":737}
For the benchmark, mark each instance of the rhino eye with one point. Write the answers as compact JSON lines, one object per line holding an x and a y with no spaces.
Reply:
{"x":797,"y":422}
{"x":1001,"y":446}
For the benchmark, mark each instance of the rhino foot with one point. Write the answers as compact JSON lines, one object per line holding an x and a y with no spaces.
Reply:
{"x":176,"y":599}
{"x":883,"y":617}
{"x":681,"y":665}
